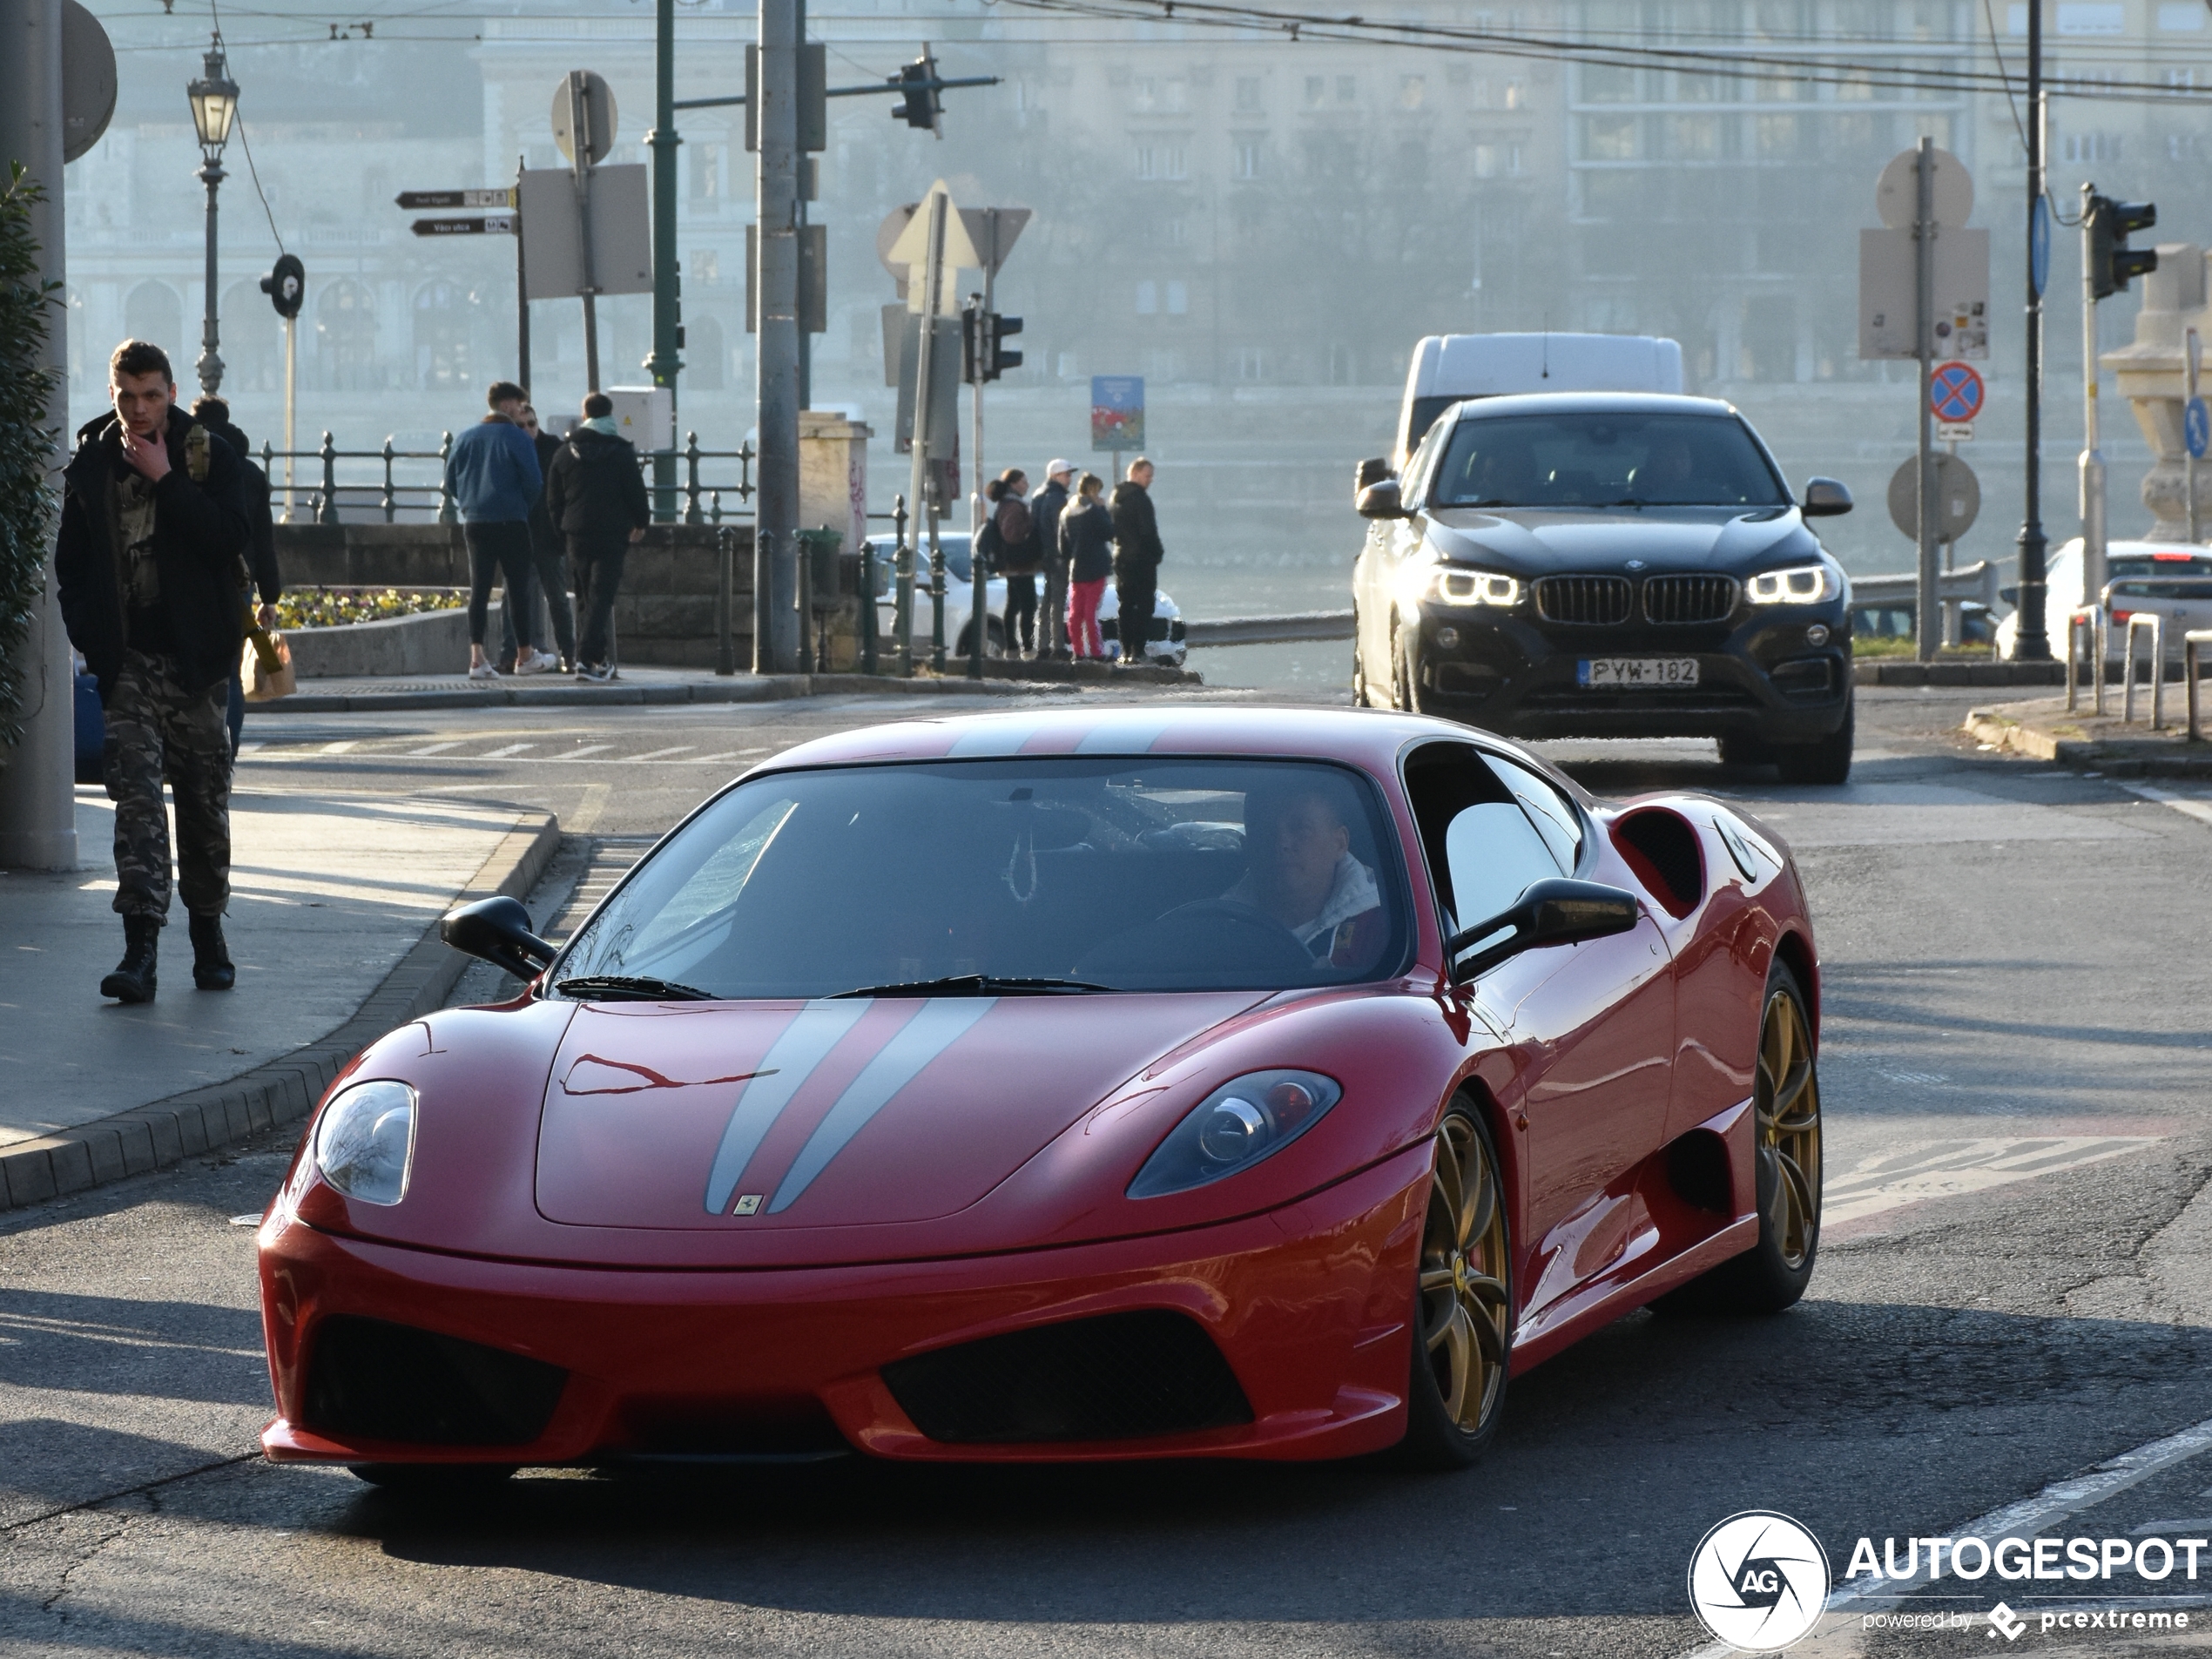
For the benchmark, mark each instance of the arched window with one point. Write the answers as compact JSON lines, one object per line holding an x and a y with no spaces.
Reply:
{"x":153,"y":312}
{"x":444,"y":317}
{"x":345,"y":342}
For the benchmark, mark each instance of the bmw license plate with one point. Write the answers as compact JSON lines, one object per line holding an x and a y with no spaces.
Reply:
{"x":1636,"y":672}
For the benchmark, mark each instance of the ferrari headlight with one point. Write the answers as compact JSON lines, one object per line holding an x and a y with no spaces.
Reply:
{"x":1234,"y":1128}
{"x":365,"y":1143}
{"x":1459,"y":586}
{"x":1801,"y":584}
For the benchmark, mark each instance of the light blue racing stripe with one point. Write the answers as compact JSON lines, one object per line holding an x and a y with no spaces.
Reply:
{"x":1000,"y":738}
{"x":805,"y":1042}
{"x":1123,"y":737}
{"x":937,"y":1024}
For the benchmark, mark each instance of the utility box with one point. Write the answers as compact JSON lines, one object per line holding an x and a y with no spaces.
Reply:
{"x":645,"y":416}
{"x":833,"y":474}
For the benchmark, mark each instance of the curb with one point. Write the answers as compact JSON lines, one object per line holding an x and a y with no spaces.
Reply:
{"x":1878,"y":673}
{"x":156,"y":1136}
{"x":745,"y":688}
{"x":2122,"y":758}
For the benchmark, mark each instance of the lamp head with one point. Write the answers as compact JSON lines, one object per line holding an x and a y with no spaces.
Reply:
{"x":214,"y":103}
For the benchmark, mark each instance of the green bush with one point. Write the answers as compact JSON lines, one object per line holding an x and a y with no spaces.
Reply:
{"x":27,"y":443}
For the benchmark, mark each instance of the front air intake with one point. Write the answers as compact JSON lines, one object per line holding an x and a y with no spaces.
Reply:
{"x":1586,"y":601}
{"x":1114,"y":1378}
{"x":372,"y":1379}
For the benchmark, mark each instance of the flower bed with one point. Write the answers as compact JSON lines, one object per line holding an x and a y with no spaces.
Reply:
{"x":338,"y":607}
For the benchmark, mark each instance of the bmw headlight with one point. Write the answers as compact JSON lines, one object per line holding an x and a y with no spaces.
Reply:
{"x":1234,"y":1128}
{"x":365,"y":1142}
{"x":1801,"y":584}
{"x":1459,"y":586}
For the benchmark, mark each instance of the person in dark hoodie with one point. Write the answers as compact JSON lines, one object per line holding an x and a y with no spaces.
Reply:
{"x":214,"y":414}
{"x":596,"y":499}
{"x":154,"y":517}
{"x":1051,"y":501}
{"x":1137,"y":554}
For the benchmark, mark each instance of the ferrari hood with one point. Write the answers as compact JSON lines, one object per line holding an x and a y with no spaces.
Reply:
{"x":1530,"y":542}
{"x":775,"y":1115}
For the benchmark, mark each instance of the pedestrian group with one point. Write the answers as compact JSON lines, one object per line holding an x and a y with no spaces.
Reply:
{"x":1075,"y":539}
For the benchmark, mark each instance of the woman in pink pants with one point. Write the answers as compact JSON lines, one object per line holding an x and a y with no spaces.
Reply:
{"x":1087,"y":544}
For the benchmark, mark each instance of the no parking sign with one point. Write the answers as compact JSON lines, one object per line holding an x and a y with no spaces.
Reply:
{"x":1955,"y":393}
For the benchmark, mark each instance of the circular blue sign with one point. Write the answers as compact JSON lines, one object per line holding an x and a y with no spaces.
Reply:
{"x":2197,"y":428}
{"x":2039,"y":243}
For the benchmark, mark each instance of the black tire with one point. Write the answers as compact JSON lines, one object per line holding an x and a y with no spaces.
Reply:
{"x":1773,"y":1273}
{"x":1359,"y":698}
{"x":993,"y":640}
{"x":1827,"y":761}
{"x":1740,"y":749}
{"x":433,"y":1480}
{"x":1406,"y":692}
{"x":1462,"y":1281}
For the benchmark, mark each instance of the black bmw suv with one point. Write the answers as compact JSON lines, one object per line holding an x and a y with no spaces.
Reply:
{"x":1610,"y":565}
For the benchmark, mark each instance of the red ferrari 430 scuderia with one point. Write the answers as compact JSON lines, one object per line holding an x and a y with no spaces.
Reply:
{"x":1074,"y":1084}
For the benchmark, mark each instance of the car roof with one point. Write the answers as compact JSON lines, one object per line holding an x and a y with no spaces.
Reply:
{"x":1593,"y":403}
{"x":1369,"y":739}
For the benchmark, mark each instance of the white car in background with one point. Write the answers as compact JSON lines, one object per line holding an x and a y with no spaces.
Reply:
{"x":2173,"y":579}
{"x":1166,"y":647}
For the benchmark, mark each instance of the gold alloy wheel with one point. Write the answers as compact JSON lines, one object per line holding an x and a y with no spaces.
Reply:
{"x":1465,"y":1313}
{"x":1786,"y":1095}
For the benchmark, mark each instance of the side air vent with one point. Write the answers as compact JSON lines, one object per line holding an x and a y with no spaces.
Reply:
{"x":1661,"y":848}
{"x":1113,"y":1377}
{"x":372,"y":1379}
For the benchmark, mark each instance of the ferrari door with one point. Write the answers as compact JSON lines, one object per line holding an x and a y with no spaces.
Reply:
{"x":1592,"y":1025}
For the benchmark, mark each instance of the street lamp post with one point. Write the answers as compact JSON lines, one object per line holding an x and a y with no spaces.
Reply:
{"x":214,"y":105}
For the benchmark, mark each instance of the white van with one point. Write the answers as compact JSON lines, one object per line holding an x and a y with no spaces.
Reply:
{"x":1448,"y":368}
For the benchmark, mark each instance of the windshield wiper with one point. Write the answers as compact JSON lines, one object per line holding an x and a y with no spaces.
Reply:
{"x":632,"y":988}
{"x":976,"y":985}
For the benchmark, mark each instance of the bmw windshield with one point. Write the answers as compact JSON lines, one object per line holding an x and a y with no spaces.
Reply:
{"x":1022,"y":876}
{"x":1605,"y":459}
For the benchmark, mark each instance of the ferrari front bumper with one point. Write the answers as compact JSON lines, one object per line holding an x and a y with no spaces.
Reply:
{"x":1307,"y":1304}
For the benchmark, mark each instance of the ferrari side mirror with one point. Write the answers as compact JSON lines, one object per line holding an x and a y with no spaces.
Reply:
{"x":1825,"y":498}
{"x":496,"y":931}
{"x":1379,"y":500}
{"x":1557,"y":912}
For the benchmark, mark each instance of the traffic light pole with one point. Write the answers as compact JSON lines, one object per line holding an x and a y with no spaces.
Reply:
{"x":668,"y":315}
{"x":2031,"y":639}
{"x":1927,"y":632}
{"x":776,"y":285}
{"x":2093,"y":460}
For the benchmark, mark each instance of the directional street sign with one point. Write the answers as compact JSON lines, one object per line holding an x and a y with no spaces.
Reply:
{"x":424,"y":200}
{"x":1955,"y":392}
{"x":1958,"y":498}
{"x":490,"y":225}
{"x":2197,"y":428}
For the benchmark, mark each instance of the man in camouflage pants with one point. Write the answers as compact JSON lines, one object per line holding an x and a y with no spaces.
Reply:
{"x":154,"y":519}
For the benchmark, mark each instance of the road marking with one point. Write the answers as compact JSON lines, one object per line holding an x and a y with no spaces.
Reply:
{"x":511,"y":749}
{"x":588,"y":809}
{"x":2183,"y":804}
{"x":435,"y":748}
{"x":2153,"y":1529}
{"x":2054,"y":1503}
{"x":339,"y":748}
{"x":245,"y":749}
{"x":1911,"y":1170}
{"x":663,"y":754}
{"x":734,"y":754}
{"x":578,"y":754}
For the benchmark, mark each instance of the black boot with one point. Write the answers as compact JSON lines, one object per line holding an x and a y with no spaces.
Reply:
{"x":211,"y":961}
{"x":133,"y":981}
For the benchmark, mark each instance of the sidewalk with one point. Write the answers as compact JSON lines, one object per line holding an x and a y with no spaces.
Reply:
{"x":640,"y":686}
{"x":2044,"y":729}
{"x":331,"y":899}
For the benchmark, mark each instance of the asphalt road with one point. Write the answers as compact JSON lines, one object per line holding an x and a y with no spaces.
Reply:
{"x":2014,"y":1287}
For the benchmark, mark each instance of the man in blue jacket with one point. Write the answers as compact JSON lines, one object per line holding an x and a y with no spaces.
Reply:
{"x":493,"y":475}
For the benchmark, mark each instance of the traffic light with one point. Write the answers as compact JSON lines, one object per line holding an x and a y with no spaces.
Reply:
{"x":1000,"y":359}
{"x":920,"y":105}
{"x":975,"y":343}
{"x":287,"y":286}
{"x":2112,"y":264}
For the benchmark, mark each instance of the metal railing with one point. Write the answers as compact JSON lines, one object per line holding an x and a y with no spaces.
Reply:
{"x":386,"y":493}
{"x":2155,"y":625}
{"x":2192,"y":662}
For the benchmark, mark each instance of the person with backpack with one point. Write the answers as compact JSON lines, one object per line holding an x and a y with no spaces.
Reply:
{"x":1087,"y":549}
{"x":1009,"y":542}
{"x":596,"y":499}
{"x":214,"y":414}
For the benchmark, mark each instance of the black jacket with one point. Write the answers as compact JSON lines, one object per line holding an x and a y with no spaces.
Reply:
{"x":1050,"y":503}
{"x":595,"y":494}
{"x":543,"y":536}
{"x":1136,"y":531}
{"x":199,"y":530}
{"x":260,"y":547}
{"x":1087,"y":541}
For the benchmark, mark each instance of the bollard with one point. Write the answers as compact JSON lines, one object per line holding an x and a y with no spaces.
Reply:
{"x":2192,"y":662}
{"x":691,"y":490}
{"x":326,"y":513}
{"x":869,"y":663}
{"x":2155,"y":627}
{"x":902,"y":576}
{"x":390,"y":503}
{"x":936,"y":597}
{"x":725,"y":655}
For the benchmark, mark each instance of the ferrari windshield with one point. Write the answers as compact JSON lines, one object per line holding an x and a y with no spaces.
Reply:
{"x":1605,"y":459}
{"x":1036,"y":876}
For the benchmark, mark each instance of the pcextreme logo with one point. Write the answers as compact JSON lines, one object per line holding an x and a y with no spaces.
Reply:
{"x":1759,"y":1581}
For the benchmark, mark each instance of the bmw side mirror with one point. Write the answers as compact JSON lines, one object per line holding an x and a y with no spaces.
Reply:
{"x":1825,"y":498}
{"x":1380,"y":499}
{"x":1371,"y":471}
{"x":496,"y":931}
{"x":1557,"y":912}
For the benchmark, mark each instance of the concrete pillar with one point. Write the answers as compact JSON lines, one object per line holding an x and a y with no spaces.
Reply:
{"x":2152,"y":374}
{"x":37,"y":776}
{"x":834,"y":476}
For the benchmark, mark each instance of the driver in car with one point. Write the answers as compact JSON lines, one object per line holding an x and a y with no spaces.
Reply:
{"x":1299,"y":872}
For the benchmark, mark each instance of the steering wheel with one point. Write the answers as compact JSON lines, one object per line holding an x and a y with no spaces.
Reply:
{"x":1283,"y":952}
